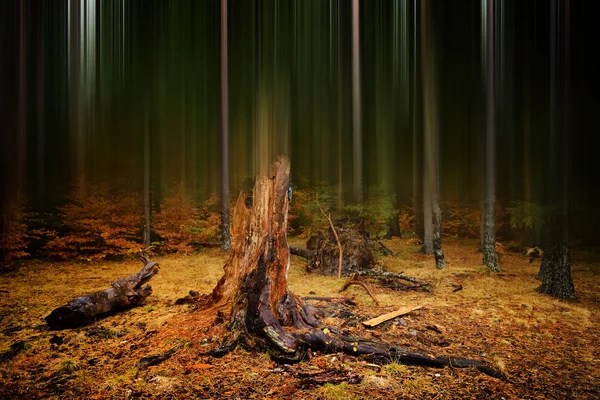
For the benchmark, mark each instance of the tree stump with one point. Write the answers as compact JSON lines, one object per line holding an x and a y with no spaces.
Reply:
{"x":263,"y":314}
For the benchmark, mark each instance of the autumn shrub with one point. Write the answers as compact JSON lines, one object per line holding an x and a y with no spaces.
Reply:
{"x":97,"y":222}
{"x":181,"y":225}
{"x":14,"y":238}
{"x":406,"y":219}
{"x":460,"y":219}
{"x":463,"y":219}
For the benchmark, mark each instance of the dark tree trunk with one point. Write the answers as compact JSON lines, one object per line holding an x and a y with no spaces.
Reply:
{"x":437,"y":235}
{"x":263,"y":314}
{"x":555,"y":271}
{"x":123,"y":294}
{"x":488,"y":217}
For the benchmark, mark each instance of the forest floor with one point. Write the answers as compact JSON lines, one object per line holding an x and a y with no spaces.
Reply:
{"x":549,"y":349}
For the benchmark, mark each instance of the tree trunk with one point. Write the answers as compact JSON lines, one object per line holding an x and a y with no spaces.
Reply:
{"x":489,"y":218}
{"x":225,"y":233}
{"x":437,"y":235}
{"x":123,"y":294}
{"x":555,"y":271}
{"x":357,"y":145}
{"x":429,"y":127}
{"x":146,"y":239}
{"x":264,"y":314}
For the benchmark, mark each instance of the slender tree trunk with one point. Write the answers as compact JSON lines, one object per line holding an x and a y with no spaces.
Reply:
{"x":489,"y":217}
{"x":428,"y":115}
{"x":147,"y":200}
{"x":417,"y":136}
{"x":224,"y":131}
{"x":357,"y":154}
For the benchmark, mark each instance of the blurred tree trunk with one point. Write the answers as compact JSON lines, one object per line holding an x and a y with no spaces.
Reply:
{"x":147,"y":201}
{"x":429,"y":129}
{"x":357,"y":145}
{"x":226,"y":237}
{"x":417,"y":135}
{"x":489,"y":214}
{"x":555,"y":270}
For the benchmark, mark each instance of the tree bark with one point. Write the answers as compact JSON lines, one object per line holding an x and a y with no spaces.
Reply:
{"x":490,"y":258}
{"x":123,"y":294}
{"x":555,"y":270}
{"x":264,"y":314}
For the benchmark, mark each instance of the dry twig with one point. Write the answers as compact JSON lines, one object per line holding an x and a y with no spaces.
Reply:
{"x":336,"y":238}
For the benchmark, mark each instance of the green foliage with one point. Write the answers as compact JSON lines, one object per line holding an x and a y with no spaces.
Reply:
{"x":306,"y":217}
{"x":526,"y":215}
{"x":96,"y":223}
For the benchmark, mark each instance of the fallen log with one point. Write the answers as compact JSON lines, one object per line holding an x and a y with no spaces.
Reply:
{"x":380,"y":274}
{"x":123,"y":294}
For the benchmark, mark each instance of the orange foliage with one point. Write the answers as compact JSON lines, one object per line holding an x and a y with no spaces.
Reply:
{"x":181,"y":224}
{"x":13,"y":236}
{"x":97,"y":223}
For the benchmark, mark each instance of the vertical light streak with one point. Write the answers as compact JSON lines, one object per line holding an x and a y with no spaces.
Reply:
{"x":427,"y":64}
{"x":356,"y":105}
{"x":41,"y":137}
{"x":224,"y":129}
{"x":21,"y":173}
{"x":489,"y":215}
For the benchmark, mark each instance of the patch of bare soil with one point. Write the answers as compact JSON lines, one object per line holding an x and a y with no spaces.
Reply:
{"x":548,"y":348}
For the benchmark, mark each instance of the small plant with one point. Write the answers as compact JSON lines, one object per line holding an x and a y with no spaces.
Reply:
{"x":68,"y":366}
{"x":332,"y":391}
{"x":394,"y":369}
{"x":182,"y":343}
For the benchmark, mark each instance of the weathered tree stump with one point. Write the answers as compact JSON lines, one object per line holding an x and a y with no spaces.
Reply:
{"x":123,"y":294}
{"x":263,"y":314}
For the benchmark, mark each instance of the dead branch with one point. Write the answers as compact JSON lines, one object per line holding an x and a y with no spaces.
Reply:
{"x":386,"y":250}
{"x":356,"y":281}
{"x":336,"y":238}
